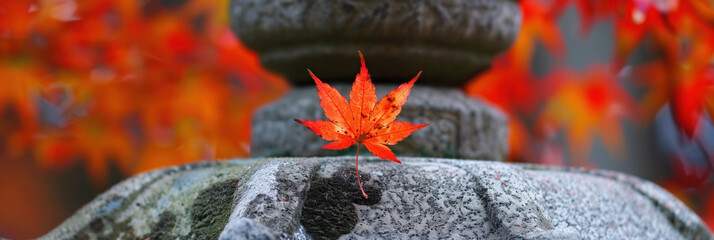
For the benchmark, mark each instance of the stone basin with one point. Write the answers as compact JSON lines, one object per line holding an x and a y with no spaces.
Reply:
{"x":423,"y":198}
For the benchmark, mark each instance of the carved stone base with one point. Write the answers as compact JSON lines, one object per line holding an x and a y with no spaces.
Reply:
{"x":461,"y":127}
{"x":423,"y":198}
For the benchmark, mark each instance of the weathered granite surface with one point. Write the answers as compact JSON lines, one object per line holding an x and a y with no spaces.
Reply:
{"x":192,"y":200}
{"x":451,"y":40}
{"x":461,"y":127}
{"x":318,"y":198}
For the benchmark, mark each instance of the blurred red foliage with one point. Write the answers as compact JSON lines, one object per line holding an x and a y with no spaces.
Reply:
{"x":591,"y":104}
{"x":128,"y":81}
{"x":132,"y":84}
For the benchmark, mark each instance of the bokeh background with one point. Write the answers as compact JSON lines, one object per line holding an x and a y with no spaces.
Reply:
{"x":93,"y":92}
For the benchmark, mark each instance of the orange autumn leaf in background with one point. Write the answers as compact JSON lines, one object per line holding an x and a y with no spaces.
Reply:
{"x":115,"y":84}
{"x":661,"y":67}
{"x":363,"y":120}
{"x":586,"y":105}
{"x":102,"y":90}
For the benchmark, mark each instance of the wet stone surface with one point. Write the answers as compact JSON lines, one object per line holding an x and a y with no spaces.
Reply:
{"x":424,"y":198}
{"x":329,"y":209}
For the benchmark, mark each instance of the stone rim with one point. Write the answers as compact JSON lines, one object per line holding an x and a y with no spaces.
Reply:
{"x":495,"y":184}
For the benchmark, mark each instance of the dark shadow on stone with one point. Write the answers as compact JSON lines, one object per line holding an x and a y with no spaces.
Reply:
{"x":162,"y":229}
{"x":211,"y":210}
{"x":97,"y":226}
{"x":329,"y":210}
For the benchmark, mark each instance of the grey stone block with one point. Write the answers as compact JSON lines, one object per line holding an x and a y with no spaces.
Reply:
{"x":461,"y":127}
{"x":423,"y":198}
{"x":451,"y":40}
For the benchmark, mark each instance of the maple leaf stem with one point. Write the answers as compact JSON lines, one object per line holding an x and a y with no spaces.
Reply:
{"x":357,"y":168}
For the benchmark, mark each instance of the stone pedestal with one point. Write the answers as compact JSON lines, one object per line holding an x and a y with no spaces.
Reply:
{"x":449,"y":40}
{"x":461,"y":127}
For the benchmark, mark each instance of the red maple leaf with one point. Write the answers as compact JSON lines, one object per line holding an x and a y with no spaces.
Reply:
{"x":363,"y":120}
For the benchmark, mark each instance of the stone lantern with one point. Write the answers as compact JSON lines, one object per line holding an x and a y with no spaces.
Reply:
{"x":450,"y":41}
{"x":451,"y":184}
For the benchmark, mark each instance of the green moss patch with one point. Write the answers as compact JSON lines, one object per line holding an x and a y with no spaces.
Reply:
{"x":162,"y":229}
{"x":211,"y":210}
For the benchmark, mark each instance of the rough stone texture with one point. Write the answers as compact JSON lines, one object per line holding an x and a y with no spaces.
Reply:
{"x":162,"y":204}
{"x":461,"y":127}
{"x":273,"y":195}
{"x":451,"y":40}
{"x":423,"y":198}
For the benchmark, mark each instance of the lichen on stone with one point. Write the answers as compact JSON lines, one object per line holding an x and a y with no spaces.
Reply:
{"x":211,"y":210}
